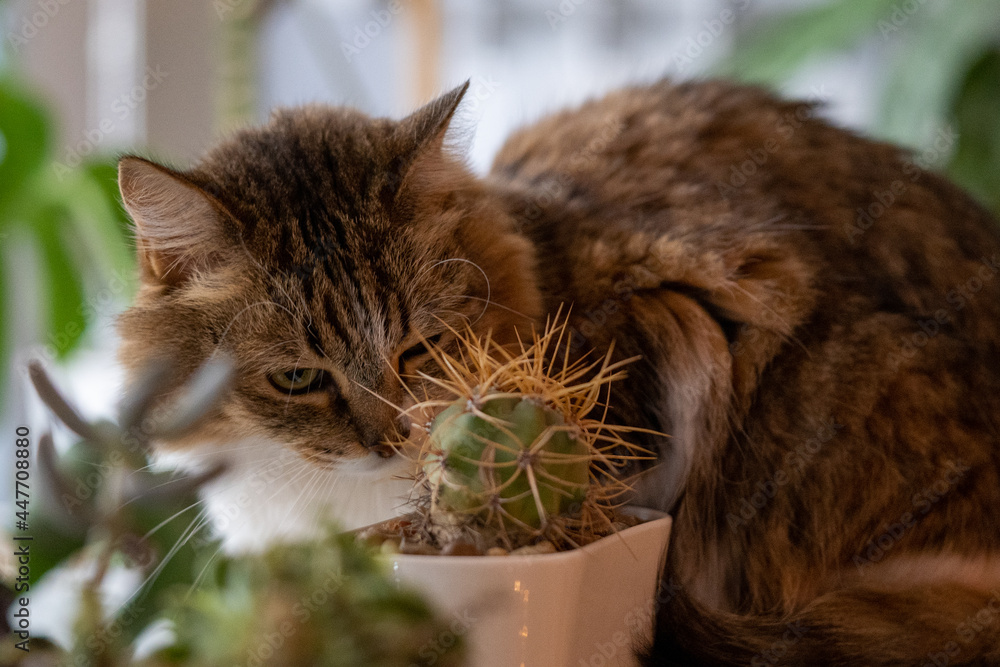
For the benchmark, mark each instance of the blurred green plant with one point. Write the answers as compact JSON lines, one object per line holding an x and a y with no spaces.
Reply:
{"x":943,"y":70}
{"x":327,"y":603}
{"x":72,"y":219}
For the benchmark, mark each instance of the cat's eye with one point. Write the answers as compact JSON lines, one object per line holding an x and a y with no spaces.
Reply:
{"x":298,"y":380}
{"x":415,"y":351}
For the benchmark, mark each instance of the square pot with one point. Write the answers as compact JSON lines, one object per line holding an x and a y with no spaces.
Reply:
{"x":586,"y":607}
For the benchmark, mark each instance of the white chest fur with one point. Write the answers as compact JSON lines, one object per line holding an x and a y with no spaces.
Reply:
{"x":269,"y":494}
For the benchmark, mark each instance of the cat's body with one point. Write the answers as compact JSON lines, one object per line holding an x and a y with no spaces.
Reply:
{"x":817,"y":319}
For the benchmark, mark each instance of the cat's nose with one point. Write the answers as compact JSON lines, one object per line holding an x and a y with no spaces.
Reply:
{"x":379,"y":443}
{"x":384,"y":450}
{"x":403,"y":424}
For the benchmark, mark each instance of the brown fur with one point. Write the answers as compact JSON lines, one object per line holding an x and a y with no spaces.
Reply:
{"x":830,"y":383}
{"x":321,"y":250}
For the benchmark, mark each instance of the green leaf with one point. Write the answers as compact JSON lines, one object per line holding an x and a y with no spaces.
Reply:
{"x":5,"y":317}
{"x":105,"y":175}
{"x":92,"y":196}
{"x":52,"y":544}
{"x":975,"y":163}
{"x":24,"y":127}
{"x":65,"y":295}
{"x":939,"y":44}
{"x":771,"y":51}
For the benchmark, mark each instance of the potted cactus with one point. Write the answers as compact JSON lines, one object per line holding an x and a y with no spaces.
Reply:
{"x":520,"y":489}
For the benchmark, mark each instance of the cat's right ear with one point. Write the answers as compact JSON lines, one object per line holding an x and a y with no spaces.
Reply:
{"x":421,"y":138}
{"x":176,"y":223}
{"x":426,"y":127}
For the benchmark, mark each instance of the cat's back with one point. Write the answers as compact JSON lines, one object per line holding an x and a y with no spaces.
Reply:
{"x":790,"y":287}
{"x":732,"y":170}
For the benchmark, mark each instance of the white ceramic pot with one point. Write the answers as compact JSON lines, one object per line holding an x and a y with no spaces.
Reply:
{"x":587,"y":607}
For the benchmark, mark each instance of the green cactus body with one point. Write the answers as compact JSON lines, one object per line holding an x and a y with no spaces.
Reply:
{"x":482,"y":460}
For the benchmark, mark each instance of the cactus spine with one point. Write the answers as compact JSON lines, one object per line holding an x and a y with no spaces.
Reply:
{"x":515,"y":455}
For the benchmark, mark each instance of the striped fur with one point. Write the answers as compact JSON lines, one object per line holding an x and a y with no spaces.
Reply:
{"x":816,"y":315}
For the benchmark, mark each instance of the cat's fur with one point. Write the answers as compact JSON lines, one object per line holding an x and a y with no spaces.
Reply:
{"x":817,"y":319}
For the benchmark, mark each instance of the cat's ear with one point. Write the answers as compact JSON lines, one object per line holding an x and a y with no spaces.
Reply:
{"x":426,"y":127}
{"x":177,"y":225}
{"x":421,"y":141}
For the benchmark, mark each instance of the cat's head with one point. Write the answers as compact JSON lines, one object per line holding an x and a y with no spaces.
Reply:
{"x":321,"y":251}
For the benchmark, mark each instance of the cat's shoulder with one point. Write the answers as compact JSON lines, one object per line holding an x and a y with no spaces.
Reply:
{"x":681,"y":115}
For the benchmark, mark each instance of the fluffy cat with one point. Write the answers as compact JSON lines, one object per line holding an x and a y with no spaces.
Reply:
{"x":816,"y":314}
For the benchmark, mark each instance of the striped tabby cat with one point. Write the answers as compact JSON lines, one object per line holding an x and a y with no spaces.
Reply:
{"x":817,"y":317}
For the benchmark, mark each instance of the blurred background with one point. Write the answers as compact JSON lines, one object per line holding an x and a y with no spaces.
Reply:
{"x":82,"y":81}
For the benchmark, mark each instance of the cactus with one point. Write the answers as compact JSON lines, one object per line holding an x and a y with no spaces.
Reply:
{"x":504,"y":430}
{"x":516,"y":455}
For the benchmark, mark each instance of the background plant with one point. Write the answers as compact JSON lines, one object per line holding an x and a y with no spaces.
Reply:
{"x":73,"y":224}
{"x":100,"y":506}
{"x":943,"y":69}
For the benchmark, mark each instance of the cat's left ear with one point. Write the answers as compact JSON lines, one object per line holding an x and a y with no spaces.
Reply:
{"x":177,"y":225}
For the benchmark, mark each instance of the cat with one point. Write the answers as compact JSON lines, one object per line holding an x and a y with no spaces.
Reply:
{"x":816,"y":315}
